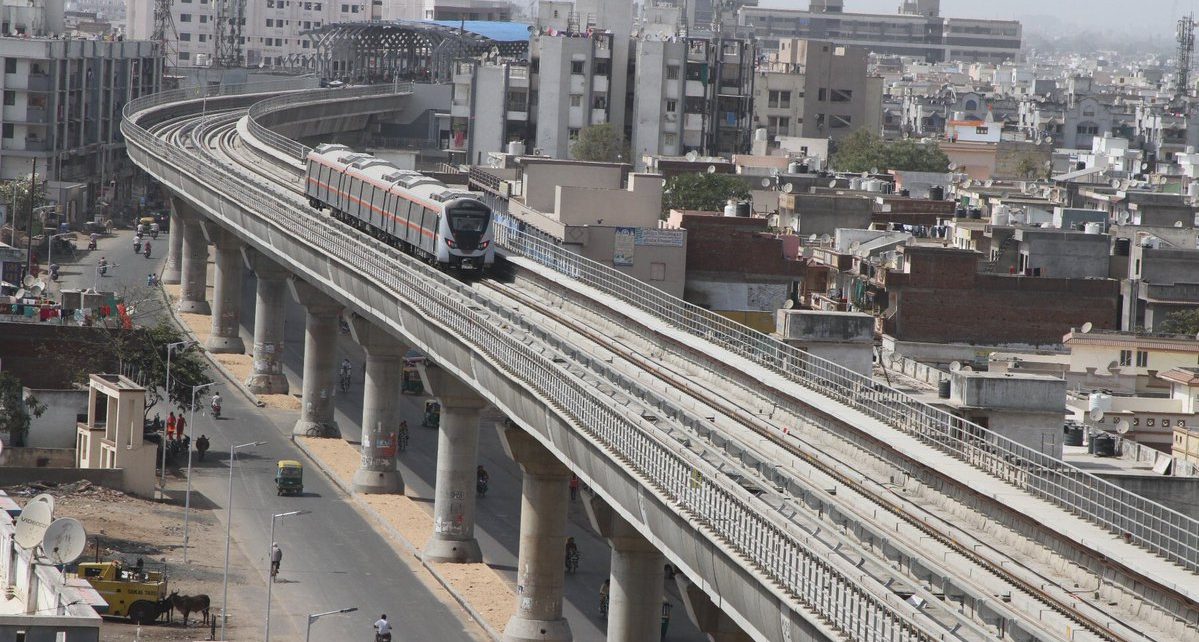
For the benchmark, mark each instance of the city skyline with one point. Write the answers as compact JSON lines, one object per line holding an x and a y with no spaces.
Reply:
{"x":1103,"y":15}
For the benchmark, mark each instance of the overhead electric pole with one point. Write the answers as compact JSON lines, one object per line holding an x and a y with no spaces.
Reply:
{"x":165,"y":34}
{"x":231,"y":15}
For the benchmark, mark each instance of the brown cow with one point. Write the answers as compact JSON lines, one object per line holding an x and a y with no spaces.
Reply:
{"x":188,"y":604}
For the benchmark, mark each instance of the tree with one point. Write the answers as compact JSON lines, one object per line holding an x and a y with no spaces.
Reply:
{"x":16,"y":410}
{"x":601,"y":143}
{"x":862,"y":151}
{"x":705,"y":192}
{"x":15,"y":196}
{"x":1180,"y":322}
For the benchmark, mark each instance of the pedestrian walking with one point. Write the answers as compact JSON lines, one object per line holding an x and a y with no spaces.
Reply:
{"x":171,"y":425}
{"x":180,"y":423}
{"x":574,"y":487}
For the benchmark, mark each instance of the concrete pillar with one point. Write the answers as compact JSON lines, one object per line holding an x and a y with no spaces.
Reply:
{"x":269,"y":315}
{"x":540,"y":571}
{"x":453,"y":538}
{"x":171,"y":272}
{"x":320,"y":347}
{"x":226,"y":295}
{"x":193,"y":284}
{"x":635,"y":593}
{"x":708,"y":617}
{"x":380,"y":409}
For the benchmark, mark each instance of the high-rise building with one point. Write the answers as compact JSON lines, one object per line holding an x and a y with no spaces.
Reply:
{"x":917,"y":30}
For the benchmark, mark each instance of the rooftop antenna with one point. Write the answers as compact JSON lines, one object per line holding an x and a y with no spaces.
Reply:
{"x":165,"y":34}
{"x":229,"y":17}
{"x":1186,"y":50}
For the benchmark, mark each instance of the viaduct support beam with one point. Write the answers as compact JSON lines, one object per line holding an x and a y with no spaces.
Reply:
{"x":541,"y":571}
{"x":708,"y":617}
{"x":635,"y":593}
{"x":269,"y":315}
{"x":193,"y":284}
{"x":380,"y":409}
{"x":226,"y":295}
{"x":320,"y":347}
{"x":453,"y":538}
{"x":171,"y":273}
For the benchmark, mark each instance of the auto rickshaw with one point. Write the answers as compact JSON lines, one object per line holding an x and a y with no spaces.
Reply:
{"x":432,"y":414}
{"x":411,"y":381}
{"x":289,"y":477}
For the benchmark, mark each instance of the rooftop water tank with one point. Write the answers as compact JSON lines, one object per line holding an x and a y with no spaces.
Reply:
{"x":730,"y":208}
{"x":516,"y":148}
{"x":1099,"y":401}
{"x":1093,"y":228}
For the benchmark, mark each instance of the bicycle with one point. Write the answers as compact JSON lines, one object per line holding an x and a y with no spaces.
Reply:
{"x":344,"y":381}
{"x":402,"y":437}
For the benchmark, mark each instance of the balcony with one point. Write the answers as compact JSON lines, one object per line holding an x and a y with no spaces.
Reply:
{"x":599,"y":84}
{"x":37,"y":145}
{"x":695,"y":89}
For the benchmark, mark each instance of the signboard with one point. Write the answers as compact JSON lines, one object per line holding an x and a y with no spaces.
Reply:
{"x":660,"y":237}
{"x":623,"y":246}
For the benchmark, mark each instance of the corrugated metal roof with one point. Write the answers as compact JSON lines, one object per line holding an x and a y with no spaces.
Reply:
{"x":490,"y":29}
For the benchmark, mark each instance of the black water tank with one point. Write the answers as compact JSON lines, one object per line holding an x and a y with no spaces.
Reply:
{"x":943,"y":388}
{"x":743,"y":209}
{"x":936,"y":193}
{"x":1103,"y":445}
{"x":1074,"y":434}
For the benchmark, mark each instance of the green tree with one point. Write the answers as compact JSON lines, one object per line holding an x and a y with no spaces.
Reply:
{"x":16,"y":410}
{"x":143,"y":357}
{"x":704,"y":192}
{"x":601,"y":143}
{"x":862,"y":151}
{"x":1180,"y":322}
{"x":15,"y":197}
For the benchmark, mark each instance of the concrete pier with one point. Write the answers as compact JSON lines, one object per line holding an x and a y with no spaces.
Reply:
{"x":638,"y":569}
{"x":380,"y":409}
{"x":172,"y":271}
{"x":269,"y":317}
{"x":226,"y":296}
{"x":453,"y":538}
{"x":320,"y":345}
{"x":540,"y":571}
{"x":193,"y":284}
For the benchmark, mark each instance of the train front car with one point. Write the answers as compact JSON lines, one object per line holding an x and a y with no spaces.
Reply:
{"x":467,"y":242}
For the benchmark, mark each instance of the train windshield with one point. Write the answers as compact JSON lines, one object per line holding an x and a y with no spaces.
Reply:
{"x":469,"y":217}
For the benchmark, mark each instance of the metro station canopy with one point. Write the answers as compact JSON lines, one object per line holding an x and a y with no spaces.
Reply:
{"x":362,"y":52}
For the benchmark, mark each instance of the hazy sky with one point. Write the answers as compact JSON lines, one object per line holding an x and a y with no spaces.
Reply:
{"x":1147,"y":15}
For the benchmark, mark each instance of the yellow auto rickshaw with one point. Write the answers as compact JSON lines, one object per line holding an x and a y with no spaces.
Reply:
{"x":411,"y":383}
{"x":289,"y":477}
{"x":432,"y":414}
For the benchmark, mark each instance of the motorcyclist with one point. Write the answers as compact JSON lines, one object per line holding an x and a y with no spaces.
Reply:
{"x":572,"y":550}
{"x":216,"y":404}
{"x":154,"y":230}
{"x":603,"y":595}
{"x":137,"y":244}
{"x":346,"y":367}
{"x":102,"y":265}
{"x":146,"y":249}
{"x":202,"y":446}
{"x":276,"y":559}
{"x":481,"y":480}
{"x":382,"y":629}
{"x":92,"y":239}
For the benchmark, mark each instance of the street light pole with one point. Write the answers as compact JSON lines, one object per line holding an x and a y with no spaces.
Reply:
{"x":271,"y":582}
{"x":228,"y":533}
{"x":163,"y":480}
{"x":312,"y":617}
{"x":187,"y":500}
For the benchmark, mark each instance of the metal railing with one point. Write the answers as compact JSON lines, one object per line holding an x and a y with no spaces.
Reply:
{"x":291,"y":147}
{"x":829,"y":586}
{"x":1157,"y":528}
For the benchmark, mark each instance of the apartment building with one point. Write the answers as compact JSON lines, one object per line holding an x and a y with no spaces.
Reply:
{"x":271,"y":29}
{"x":918,"y":30}
{"x":814,"y":89}
{"x":62,"y":103}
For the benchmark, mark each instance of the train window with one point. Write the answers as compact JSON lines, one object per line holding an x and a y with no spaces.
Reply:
{"x":469,"y":218}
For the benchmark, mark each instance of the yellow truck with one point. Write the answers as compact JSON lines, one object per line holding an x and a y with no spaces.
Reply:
{"x":129,"y":592}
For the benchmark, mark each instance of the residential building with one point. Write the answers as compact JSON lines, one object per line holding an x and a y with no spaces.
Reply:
{"x":601,"y":211}
{"x":919,"y":31}
{"x":62,"y":111}
{"x":1161,"y":279}
{"x":817,"y":89}
{"x":111,"y":436}
{"x":495,"y":94}
{"x":1133,"y":361}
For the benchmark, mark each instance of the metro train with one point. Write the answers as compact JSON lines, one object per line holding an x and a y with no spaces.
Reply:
{"x":420,"y":215}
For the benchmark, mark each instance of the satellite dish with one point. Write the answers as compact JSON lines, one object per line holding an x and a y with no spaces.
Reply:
{"x":774,"y":171}
{"x":953,"y":166}
{"x":873,"y":170}
{"x":692,"y":156}
{"x":64,"y":541}
{"x":832,"y":183}
{"x":29,"y":281}
{"x":711,"y":169}
{"x":1049,"y":140}
{"x":955,"y":366}
{"x":36,"y":291}
{"x":32,"y":524}
{"x":865,"y":174}
{"x":825,"y":238}
{"x":1086,"y":327}
{"x":813,"y":238}
{"x":988,"y":183}
{"x":45,"y":498}
{"x":788,"y":188}
{"x":1177,"y":223}
{"x":765,"y":182}
{"x":1144,"y":166}
{"x":1095,"y":414}
{"x":788,"y":304}
{"x":969,"y":183}
{"x":1122,"y":426}
{"x":1115,"y":183}
{"x":1115,"y":365}
{"x":966,"y":369}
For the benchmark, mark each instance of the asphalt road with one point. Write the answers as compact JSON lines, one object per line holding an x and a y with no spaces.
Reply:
{"x":332,"y":557}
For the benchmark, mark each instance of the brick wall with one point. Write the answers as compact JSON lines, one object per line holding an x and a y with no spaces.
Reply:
{"x":44,"y":355}
{"x":736,"y":246}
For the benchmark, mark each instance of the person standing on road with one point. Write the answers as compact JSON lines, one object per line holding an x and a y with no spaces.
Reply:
{"x":574,"y":487}
{"x":180,"y":423}
{"x":171,"y":425}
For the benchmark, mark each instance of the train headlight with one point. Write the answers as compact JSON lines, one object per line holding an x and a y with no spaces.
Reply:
{"x":484,"y":245}
{"x":450,"y":243}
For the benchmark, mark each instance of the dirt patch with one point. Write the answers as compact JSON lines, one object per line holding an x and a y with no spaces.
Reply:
{"x":482,"y":587}
{"x":280,"y":402}
{"x":126,"y":528}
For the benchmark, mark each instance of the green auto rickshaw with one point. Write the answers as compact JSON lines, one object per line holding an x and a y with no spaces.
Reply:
{"x":289,"y":477}
{"x":411,"y":383}
{"x":432,"y":414}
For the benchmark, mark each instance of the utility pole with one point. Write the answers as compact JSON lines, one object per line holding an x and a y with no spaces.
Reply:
{"x":164,"y":32}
